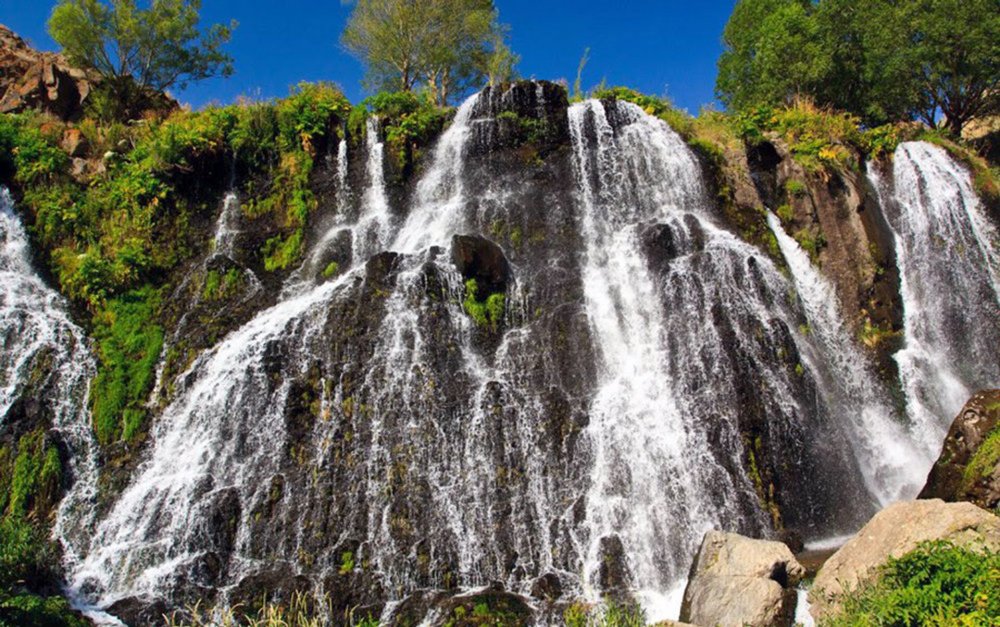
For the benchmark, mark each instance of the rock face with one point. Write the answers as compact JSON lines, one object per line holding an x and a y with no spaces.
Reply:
{"x":893,"y":532}
{"x":739,"y":581}
{"x":39,"y":80}
{"x":966,"y":471}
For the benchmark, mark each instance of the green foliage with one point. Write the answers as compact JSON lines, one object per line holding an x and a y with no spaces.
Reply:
{"x":528,"y":130}
{"x":219,"y":286}
{"x":27,"y":154}
{"x":409,"y":122}
{"x":936,"y":584}
{"x":346,"y":563}
{"x":786,"y":213}
{"x":446,"y":46}
{"x":281,"y":252}
{"x":819,"y":139}
{"x":35,"y":477}
{"x":882,"y":61}
{"x":875,"y":335}
{"x":796,"y":188}
{"x":486,"y":313}
{"x":610,"y":614}
{"x":662,"y":108}
{"x":985,"y":461}
{"x":331,"y":269}
{"x":129,"y":342}
{"x":140,"y":50}
{"x":309,"y":113}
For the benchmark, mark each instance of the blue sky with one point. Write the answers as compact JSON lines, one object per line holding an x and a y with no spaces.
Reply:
{"x":657,"y":46}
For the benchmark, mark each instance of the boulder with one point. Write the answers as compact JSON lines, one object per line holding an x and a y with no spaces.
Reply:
{"x":40,"y":80}
{"x":966,"y":471}
{"x":894,"y":532}
{"x":740,"y":581}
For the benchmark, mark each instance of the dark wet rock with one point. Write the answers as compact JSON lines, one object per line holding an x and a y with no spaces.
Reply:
{"x":613,"y":575}
{"x":134,"y":611}
{"x":548,"y":587}
{"x":482,"y":260}
{"x":965,"y":470}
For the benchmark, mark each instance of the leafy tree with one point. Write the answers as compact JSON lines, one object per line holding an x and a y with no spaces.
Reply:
{"x":445,"y":45}
{"x":883,"y":61}
{"x":139,"y":52}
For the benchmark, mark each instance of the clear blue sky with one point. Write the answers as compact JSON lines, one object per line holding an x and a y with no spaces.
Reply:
{"x":657,"y":46}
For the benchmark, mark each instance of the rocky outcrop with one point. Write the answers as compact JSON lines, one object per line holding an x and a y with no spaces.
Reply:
{"x":967,"y":470}
{"x":40,"y":80}
{"x":893,"y":532}
{"x":739,"y":581}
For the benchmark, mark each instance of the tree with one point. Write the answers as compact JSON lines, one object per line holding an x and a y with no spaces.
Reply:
{"x":885,"y":61}
{"x":445,"y":45}
{"x":140,"y":51}
{"x":771,"y":53}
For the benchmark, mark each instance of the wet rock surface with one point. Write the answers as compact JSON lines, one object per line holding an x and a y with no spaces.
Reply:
{"x":966,"y":471}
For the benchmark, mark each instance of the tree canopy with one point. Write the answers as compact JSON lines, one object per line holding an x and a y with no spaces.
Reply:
{"x":445,"y":45}
{"x":137,"y":50}
{"x":884,"y":61}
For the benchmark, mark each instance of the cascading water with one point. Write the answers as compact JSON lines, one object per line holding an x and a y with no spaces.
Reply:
{"x":46,"y":356}
{"x":893,"y":466}
{"x":949,"y":261}
{"x":686,"y":316}
{"x":366,"y":430}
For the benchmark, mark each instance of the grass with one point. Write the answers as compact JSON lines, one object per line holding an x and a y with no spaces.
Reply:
{"x":937,"y":584}
{"x":609,"y":614}
{"x":300,"y":611}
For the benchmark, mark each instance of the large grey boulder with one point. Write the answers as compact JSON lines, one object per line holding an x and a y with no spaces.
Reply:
{"x":737,"y":581}
{"x":894,"y":532}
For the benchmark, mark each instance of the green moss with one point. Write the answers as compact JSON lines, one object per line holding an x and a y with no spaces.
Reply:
{"x":936,"y":584}
{"x":346,"y":563}
{"x":985,"y":460}
{"x":812,"y":241}
{"x":796,"y":188}
{"x":35,"y":477}
{"x":129,"y":344}
{"x":281,"y":252}
{"x":785,"y":213}
{"x":331,"y":269}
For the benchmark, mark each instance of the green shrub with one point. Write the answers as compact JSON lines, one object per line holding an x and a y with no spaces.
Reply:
{"x":409,"y":121}
{"x":662,"y":108}
{"x":796,"y":188}
{"x":611,"y":614}
{"x":936,"y":584}
{"x":129,"y":341}
{"x":309,"y":112}
{"x":486,"y":313}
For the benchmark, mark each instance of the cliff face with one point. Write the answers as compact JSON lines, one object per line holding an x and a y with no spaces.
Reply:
{"x":542,"y":354}
{"x":39,"y":80}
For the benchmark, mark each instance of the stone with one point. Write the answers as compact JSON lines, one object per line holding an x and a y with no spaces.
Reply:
{"x":972,"y":427}
{"x":894,"y":532}
{"x":480,"y":259}
{"x":40,"y":80}
{"x":741,"y":581}
{"x":74,"y":143}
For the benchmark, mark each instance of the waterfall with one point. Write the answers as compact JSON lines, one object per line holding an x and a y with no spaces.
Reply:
{"x":227,"y":227}
{"x":949,"y":260}
{"x":893,"y":465}
{"x":654,"y":376}
{"x":47,"y":357}
{"x":694,"y":328}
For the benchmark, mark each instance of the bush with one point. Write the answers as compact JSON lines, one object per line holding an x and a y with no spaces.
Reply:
{"x":309,"y":113}
{"x":486,"y":313}
{"x":937,"y":584}
{"x":409,"y":122}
